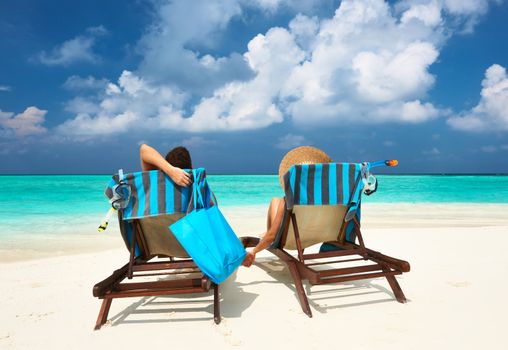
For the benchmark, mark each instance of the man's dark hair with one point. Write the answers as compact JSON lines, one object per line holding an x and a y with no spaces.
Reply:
{"x":179,"y":157}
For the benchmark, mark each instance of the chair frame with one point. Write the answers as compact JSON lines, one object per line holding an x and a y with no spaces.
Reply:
{"x":300,"y":269}
{"x":115,"y":285}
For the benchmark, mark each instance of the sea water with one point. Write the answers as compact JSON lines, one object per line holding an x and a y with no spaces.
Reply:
{"x":31,"y":206}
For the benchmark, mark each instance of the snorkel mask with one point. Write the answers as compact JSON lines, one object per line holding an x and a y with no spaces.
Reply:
{"x":121,"y":195}
{"x":369,"y":180}
{"x":119,"y":200}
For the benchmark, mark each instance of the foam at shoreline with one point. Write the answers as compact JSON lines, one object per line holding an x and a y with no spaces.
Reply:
{"x":251,"y":221}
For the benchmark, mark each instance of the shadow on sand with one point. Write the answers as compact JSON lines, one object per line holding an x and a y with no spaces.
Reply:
{"x":187,"y":307}
{"x":320,"y":296}
{"x":235,"y":298}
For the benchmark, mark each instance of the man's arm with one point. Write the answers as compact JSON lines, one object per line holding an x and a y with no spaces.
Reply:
{"x":151,"y":160}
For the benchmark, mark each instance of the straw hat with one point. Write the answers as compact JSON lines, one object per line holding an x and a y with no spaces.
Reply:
{"x":301,"y":155}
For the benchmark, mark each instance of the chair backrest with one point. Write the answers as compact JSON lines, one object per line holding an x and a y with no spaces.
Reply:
{"x":323,"y":197}
{"x":316,"y":224}
{"x":155,"y":203}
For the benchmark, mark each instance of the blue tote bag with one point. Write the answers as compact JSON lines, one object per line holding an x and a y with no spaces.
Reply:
{"x":206,"y":235}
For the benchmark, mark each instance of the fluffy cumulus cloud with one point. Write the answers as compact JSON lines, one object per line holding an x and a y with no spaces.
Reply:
{"x":366,"y":66}
{"x":23,"y":124}
{"x":78,"y":49}
{"x":136,"y":103}
{"x":491,"y":113}
{"x":174,"y":46}
{"x":368,"y":63}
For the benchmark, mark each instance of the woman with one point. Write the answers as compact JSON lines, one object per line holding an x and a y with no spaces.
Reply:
{"x":173,"y":164}
{"x":299,"y":155}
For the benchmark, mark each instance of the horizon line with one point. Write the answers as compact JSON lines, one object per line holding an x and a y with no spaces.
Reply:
{"x":263,"y":174}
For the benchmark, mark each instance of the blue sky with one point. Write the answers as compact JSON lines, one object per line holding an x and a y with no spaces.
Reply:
{"x":239,"y":83}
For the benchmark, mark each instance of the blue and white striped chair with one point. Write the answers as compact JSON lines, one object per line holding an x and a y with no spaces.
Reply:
{"x":148,"y":203}
{"x":322,"y":205}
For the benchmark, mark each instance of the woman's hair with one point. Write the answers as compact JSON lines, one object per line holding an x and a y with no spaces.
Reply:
{"x":179,"y":157}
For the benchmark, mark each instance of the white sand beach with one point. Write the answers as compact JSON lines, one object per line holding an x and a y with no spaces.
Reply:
{"x":456,"y":293}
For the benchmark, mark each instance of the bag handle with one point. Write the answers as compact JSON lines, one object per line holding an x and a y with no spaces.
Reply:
{"x":197,"y":192}
{"x":196,"y":187}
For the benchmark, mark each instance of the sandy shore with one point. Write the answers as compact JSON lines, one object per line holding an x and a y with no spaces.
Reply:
{"x":456,"y":291}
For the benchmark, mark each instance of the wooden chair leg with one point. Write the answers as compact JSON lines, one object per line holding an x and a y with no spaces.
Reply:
{"x":302,"y":297}
{"x":103,"y":313}
{"x":216,"y":304}
{"x":397,"y":291}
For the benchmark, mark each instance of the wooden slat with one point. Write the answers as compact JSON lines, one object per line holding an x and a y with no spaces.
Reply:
{"x":394,"y":263}
{"x":152,"y":266}
{"x":357,"y":277}
{"x":181,"y":283}
{"x":153,"y":293}
{"x":335,"y":253}
{"x":334,"y":262}
{"x":193,"y":271}
{"x":349,"y":270}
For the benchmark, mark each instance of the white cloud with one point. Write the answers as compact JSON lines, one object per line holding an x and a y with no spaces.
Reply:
{"x":173,"y":44}
{"x":428,"y":13}
{"x":268,"y":4}
{"x":464,"y":14}
{"x":291,"y":141}
{"x":298,"y":6}
{"x":365,"y":67}
{"x":491,"y":113}
{"x":466,"y":7}
{"x":409,"y":112}
{"x":133,"y":103}
{"x":369,"y":63}
{"x":390,"y":75}
{"x":78,"y":49}
{"x":304,"y":30}
{"x":5,"y":88}
{"x":76,"y":82}
{"x":81,"y":105}
{"x":136,"y":103}
{"x":469,"y":11}
{"x":24,"y":124}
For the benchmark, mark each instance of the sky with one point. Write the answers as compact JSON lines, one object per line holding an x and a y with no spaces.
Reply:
{"x":239,"y":83}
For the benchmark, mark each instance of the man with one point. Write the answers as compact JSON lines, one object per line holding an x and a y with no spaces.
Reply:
{"x":173,"y":164}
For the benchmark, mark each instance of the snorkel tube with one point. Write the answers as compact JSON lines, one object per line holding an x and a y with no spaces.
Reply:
{"x":389,"y":162}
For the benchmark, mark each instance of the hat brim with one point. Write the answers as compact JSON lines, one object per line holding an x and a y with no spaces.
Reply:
{"x":301,"y":155}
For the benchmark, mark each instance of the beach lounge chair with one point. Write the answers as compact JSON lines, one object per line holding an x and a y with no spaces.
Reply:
{"x":322,"y":205}
{"x":155,"y":203}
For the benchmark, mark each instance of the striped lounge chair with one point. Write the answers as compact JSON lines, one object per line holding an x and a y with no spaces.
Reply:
{"x":155,"y":203}
{"x":322,"y":205}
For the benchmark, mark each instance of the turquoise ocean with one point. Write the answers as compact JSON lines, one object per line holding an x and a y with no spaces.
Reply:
{"x":34,"y":206}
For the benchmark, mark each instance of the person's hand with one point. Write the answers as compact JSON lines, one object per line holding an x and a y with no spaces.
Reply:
{"x":180,"y":177}
{"x":249,"y":259}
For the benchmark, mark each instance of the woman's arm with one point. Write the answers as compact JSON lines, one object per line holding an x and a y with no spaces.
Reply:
{"x":151,"y":160}
{"x":268,"y":237}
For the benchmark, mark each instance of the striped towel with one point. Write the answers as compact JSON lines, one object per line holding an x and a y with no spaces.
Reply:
{"x":323,"y":184}
{"x":154,"y":193}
